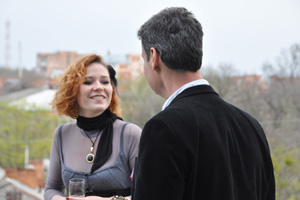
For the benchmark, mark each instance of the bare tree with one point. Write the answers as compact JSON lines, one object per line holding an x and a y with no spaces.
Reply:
{"x":283,"y":95}
{"x":220,"y":79}
{"x":139,"y":102}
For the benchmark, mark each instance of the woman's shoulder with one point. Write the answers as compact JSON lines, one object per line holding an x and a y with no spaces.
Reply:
{"x":129,"y":128}
{"x":65,"y":127}
{"x":121,"y":123}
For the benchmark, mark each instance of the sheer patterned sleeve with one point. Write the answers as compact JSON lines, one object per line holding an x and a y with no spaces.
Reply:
{"x":132,"y":136}
{"x":54,"y":184}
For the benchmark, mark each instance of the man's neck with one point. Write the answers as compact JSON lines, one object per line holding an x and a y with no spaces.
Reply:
{"x":173,"y":80}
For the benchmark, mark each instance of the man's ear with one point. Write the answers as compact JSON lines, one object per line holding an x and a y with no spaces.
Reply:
{"x":154,"y":58}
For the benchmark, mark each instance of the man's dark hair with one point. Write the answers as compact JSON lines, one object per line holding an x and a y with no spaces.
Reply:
{"x":177,"y":37}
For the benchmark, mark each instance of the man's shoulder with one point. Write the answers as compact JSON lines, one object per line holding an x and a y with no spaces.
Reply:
{"x":164,"y":114}
{"x":174,"y":114}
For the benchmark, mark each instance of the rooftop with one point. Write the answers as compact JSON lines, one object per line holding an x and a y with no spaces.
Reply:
{"x":31,"y":98}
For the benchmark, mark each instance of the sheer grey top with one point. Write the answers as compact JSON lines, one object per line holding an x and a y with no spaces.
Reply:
{"x":68,"y":160}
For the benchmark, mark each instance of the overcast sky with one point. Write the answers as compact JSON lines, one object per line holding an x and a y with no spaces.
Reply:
{"x":243,"y":33}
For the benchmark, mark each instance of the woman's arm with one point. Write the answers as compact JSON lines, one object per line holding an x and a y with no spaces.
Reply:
{"x":58,"y":197}
{"x":132,"y":140}
{"x":54,"y":188}
{"x":92,"y":198}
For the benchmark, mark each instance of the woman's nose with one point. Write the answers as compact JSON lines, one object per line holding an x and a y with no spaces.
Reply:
{"x":98,"y":86}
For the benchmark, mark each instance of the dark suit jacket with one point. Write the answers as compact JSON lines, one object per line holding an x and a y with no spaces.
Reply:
{"x":201,"y":147}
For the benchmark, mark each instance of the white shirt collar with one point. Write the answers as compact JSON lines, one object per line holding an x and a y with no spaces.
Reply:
{"x":184,"y":87}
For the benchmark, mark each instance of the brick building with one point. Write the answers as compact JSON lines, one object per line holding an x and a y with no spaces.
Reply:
{"x":22,"y":184}
{"x":49,"y":62}
{"x":128,"y":67}
{"x":249,"y":80}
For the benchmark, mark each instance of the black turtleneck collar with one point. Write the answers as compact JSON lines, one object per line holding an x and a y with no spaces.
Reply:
{"x":102,"y":122}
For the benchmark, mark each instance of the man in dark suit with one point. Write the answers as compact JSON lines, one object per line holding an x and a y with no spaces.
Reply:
{"x":198,"y":146}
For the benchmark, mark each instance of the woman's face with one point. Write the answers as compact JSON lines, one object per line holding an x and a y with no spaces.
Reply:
{"x":94,"y":95}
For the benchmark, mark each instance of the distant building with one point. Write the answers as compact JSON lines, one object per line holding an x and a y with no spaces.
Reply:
{"x":10,"y":84}
{"x":128,"y":67}
{"x":32,"y":175}
{"x":22,"y":184}
{"x":249,"y":80}
{"x":285,"y":78}
{"x":40,"y":98}
{"x":11,"y":189}
{"x":135,"y":65}
{"x":8,"y":191}
{"x":53,"y":62}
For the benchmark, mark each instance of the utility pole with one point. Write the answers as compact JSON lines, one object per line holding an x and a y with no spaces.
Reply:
{"x":20,"y":61}
{"x":7,"y":46}
{"x":26,"y":156}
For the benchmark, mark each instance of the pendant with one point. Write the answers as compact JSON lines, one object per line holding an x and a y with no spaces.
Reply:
{"x":90,"y":157}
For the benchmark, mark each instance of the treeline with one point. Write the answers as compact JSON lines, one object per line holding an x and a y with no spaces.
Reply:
{"x":20,"y":127}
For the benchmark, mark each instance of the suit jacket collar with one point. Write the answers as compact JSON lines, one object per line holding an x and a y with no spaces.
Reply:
{"x":193,"y":91}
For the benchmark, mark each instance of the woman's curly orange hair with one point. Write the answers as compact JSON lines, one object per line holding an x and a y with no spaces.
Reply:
{"x":65,"y":100}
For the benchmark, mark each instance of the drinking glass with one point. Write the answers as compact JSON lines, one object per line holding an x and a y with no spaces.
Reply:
{"x":77,"y":187}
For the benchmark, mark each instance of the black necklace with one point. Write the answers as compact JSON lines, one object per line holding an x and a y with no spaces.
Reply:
{"x":91,"y":157}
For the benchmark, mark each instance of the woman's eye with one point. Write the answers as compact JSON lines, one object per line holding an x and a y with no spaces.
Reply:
{"x":105,"y":82}
{"x":88,"y":82}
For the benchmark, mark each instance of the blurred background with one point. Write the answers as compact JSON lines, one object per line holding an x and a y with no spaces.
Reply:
{"x":251,"y":58}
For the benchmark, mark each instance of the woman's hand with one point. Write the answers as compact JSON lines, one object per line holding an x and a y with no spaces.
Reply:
{"x":88,"y":198}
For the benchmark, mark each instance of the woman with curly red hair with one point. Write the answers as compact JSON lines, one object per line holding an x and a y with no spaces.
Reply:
{"x":99,"y":147}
